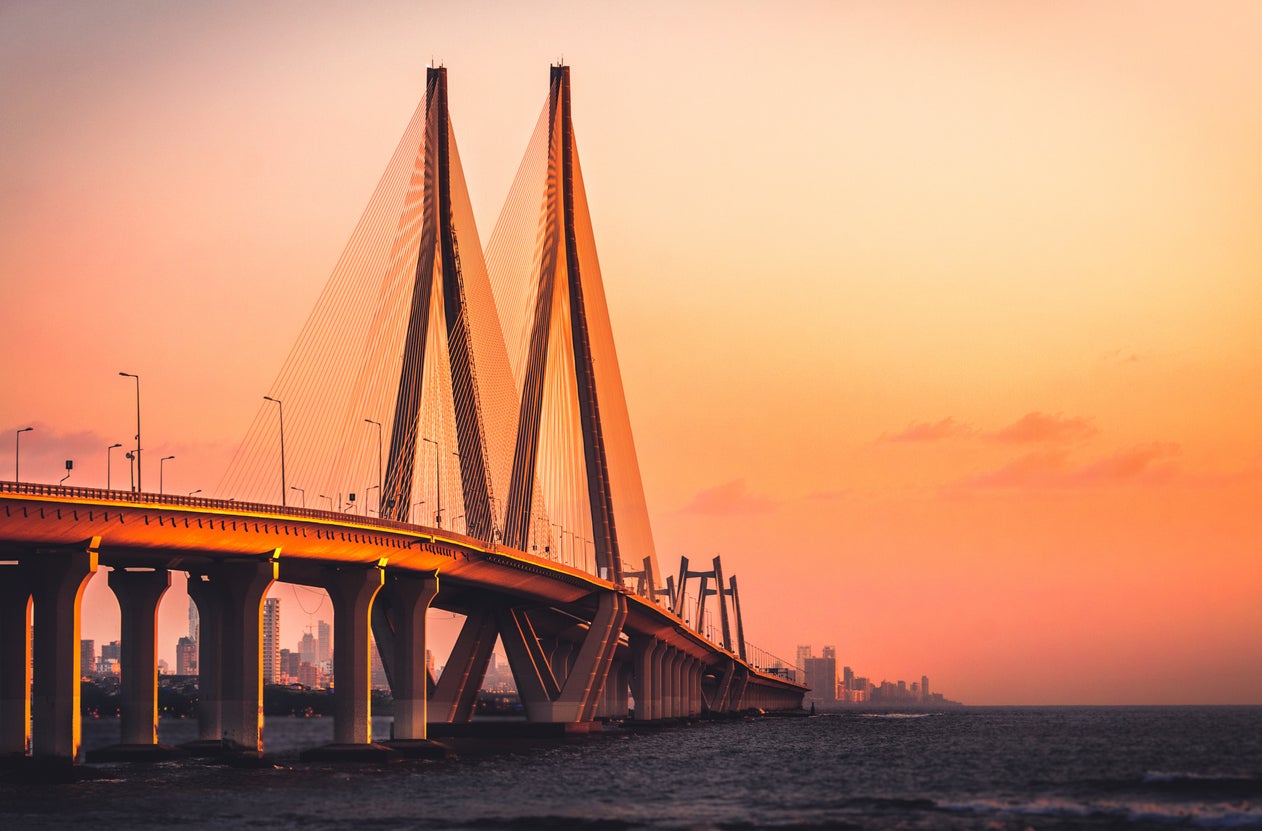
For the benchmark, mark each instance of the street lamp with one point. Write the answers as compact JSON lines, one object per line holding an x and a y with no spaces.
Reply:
{"x":438,"y":483}
{"x":161,"y":465}
{"x":302,"y":492}
{"x":322,"y":496}
{"x":280,"y":408}
{"x":561,"y":537}
{"x":108,"y":452}
{"x":137,"y":377}
{"x":194,"y":493}
{"x":17,"y":453}
{"x":366,"y":508}
{"x":377,"y":424}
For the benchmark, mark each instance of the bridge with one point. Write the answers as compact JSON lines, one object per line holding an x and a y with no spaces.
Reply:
{"x":497,"y":374}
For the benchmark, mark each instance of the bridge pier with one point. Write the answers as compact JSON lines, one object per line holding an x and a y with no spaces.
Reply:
{"x":15,"y":658}
{"x":408,"y":597}
{"x":230,"y":603}
{"x":139,"y":593}
{"x":57,"y":577}
{"x":352,"y":591}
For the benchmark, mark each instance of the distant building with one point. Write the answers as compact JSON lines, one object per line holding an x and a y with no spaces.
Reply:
{"x":307,"y":648}
{"x":87,"y":657}
{"x":194,"y":622}
{"x":309,"y":675}
{"x":924,"y":688}
{"x":185,"y":657}
{"x":804,"y":655}
{"x":821,"y":677}
{"x":324,"y":643}
{"x":271,"y":639}
{"x":111,"y":652}
{"x":378,"y":677}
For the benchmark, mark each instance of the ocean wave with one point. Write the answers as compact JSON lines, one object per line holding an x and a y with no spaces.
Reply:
{"x":1197,"y":814}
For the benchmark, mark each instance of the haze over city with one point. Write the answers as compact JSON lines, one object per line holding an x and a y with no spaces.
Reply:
{"x":939,"y":324}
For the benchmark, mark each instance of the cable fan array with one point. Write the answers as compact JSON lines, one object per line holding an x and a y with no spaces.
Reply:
{"x":437,"y":386}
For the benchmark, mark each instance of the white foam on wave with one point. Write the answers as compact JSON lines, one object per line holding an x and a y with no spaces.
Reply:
{"x":1199,"y":814}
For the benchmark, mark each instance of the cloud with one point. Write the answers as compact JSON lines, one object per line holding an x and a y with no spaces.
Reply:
{"x":728,"y":499}
{"x":1040,"y":427}
{"x":931,"y":431}
{"x":1050,"y":469}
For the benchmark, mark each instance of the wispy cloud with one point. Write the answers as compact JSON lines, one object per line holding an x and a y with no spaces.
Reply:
{"x":1051,"y":469}
{"x":1038,"y":427}
{"x":728,"y":499}
{"x":923,"y":431}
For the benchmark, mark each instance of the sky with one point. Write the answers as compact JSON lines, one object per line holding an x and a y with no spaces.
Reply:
{"x":939,"y":322}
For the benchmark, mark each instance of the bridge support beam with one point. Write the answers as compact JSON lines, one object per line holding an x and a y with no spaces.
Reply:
{"x":408,"y":597}
{"x":57,"y":577}
{"x":139,"y":593}
{"x":457,"y":689}
{"x":209,"y":657}
{"x":15,"y":662}
{"x":576,"y":696}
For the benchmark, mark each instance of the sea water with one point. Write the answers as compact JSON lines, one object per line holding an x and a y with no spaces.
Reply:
{"x":993,"y":768}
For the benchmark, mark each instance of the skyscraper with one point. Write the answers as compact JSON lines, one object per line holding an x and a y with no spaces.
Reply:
{"x":307,"y":648}
{"x":324,"y":643}
{"x":194,"y":622}
{"x":821,"y":677}
{"x":87,"y":657}
{"x":185,"y":657}
{"x":804,"y":655}
{"x":271,"y":639}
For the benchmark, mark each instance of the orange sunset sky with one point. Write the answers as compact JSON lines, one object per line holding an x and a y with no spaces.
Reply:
{"x":940,"y":322}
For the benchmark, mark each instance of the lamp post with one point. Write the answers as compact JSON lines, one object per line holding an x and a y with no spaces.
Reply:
{"x":108,"y":452}
{"x":302,"y":492}
{"x":131,"y":458}
{"x":322,"y":496}
{"x":366,"y":508}
{"x":17,"y":453}
{"x":561,"y":537}
{"x":377,"y":424}
{"x":194,"y":493}
{"x":161,"y":465}
{"x":137,"y":377}
{"x":280,"y":409}
{"x":438,"y":483}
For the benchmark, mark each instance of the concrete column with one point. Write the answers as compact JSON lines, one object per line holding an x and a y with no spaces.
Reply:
{"x":409,"y":597}
{"x":352,"y":591}
{"x":677,"y":690}
{"x":242,"y":587}
{"x":209,"y":657}
{"x":57,"y":577}
{"x":657,"y":686}
{"x":641,"y":676}
{"x":15,"y":662}
{"x":695,"y":687}
{"x":669,"y":696}
{"x":139,"y":593}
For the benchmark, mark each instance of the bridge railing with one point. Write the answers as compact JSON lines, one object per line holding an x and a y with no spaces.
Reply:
{"x":140,"y":498}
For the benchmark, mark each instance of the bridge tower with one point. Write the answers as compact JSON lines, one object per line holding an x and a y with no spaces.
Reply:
{"x":569,"y":310}
{"x":439,"y":279}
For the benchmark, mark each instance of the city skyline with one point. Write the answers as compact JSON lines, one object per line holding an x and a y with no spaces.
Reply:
{"x":957,"y":359}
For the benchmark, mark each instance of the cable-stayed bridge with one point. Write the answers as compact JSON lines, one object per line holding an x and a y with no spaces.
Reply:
{"x":458,"y":419}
